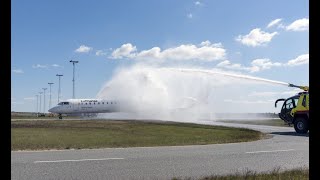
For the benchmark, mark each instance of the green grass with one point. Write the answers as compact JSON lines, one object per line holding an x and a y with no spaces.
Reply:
{"x":269,"y":122}
{"x":78,"y":134}
{"x":13,"y":118}
{"x":276,"y":174}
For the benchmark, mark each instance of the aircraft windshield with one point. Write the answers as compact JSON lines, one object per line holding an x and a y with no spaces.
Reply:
{"x":63,"y":103}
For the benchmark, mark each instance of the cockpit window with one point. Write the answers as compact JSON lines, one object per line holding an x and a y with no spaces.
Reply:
{"x":63,"y":103}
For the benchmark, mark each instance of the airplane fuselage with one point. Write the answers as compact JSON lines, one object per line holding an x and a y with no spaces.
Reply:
{"x":75,"y":106}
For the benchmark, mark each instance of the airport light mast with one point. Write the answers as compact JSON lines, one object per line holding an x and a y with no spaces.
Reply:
{"x":40,"y":101}
{"x":59,"y":90}
{"x":37,"y":112}
{"x":44,"y":100}
{"x":73,"y":62}
{"x":50,"y":95}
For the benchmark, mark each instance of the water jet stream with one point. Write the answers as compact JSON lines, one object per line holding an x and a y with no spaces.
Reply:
{"x":230,"y":75}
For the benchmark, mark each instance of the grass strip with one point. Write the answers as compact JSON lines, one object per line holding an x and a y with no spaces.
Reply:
{"x":79,"y":134}
{"x":276,"y":174}
{"x":268,"y":122}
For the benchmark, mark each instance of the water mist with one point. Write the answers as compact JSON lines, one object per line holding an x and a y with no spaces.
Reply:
{"x":179,"y":94}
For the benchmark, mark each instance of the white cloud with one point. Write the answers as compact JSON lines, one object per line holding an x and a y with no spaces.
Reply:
{"x":189,"y":15}
{"x":56,"y":65}
{"x":224,"y":63}
{"x":208,"y":43}
{"x":125,"y":51}
{"x":274,"y":22}
{"x":36,"y":66}
{"x":299,"y":25}
{"x":263,"y":94}
{"x":18,"y":71}
{"x":189,"y":51}
{"x":264,"y":63}
{"x":39,"y":66}
{"x":29,"y":98}
{"x":15,"y":103}
{"x":197,"y":3}
{"x":256,"y":37}
{"x":83,"y":49}
{"x":205,"y":52}
{"x":235,"y":66}
{"x":153,"y":53}
{"x":100,"y":53}
{"x":273,"y":93}
{"x":300,"y":60}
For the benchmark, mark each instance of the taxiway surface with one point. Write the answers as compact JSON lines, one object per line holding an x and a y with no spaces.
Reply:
{"x":284,"y":149}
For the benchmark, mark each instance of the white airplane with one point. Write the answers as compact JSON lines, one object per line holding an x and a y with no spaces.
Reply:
{"x":85,"y":106}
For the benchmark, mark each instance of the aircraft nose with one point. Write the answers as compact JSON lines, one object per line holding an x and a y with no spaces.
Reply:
{"x":53,"y":110}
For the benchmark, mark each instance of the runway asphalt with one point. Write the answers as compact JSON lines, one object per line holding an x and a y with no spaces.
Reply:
{"x":284,"y":149}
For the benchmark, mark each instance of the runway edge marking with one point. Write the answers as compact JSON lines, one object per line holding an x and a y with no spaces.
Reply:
{"x":77,"y":160}
{"x":270,"y":151}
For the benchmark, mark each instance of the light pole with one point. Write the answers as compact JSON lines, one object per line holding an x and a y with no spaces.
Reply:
{"x":37,"y":105}
{"x":59,"y":90}
{"x":73,"y":62}
{"x":40,"y":101}
{"x":50,"y":95}
{"x":44,"y":100}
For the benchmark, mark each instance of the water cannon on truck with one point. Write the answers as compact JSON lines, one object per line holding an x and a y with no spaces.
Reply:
{"x":305,"y":88}
{"x":295,"y":110}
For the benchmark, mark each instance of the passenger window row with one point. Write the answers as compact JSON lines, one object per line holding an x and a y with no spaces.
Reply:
{"x":97,"y":103}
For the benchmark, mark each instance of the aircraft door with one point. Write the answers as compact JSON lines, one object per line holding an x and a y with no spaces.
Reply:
{"x":76,"y":106}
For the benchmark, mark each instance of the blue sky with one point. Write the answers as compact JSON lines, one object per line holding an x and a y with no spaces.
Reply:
{"x":267,"y":39}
